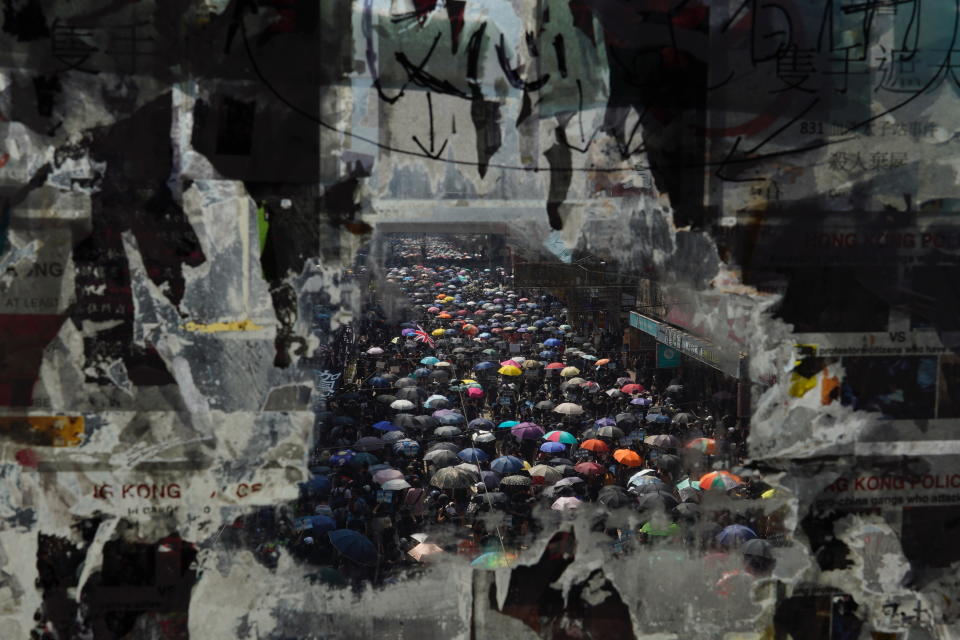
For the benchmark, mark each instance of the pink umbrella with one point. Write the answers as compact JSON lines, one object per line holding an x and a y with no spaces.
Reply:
{"x":509,"y":363}
{"x":474,"y":392}
{"x":385,"y":475}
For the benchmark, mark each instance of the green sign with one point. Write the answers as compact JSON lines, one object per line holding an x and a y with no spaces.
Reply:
{"x":667,"y":357}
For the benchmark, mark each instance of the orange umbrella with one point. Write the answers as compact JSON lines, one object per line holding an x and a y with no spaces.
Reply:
{"x":602,"y":361}
{"x":597,"y":446}
{"x":627,"y":457}
{"x":469,"y":329}
{"x":721,"y":480}
{"x":705,"y":445}
{"x":556,"y":365}
{"x":445,"y":315}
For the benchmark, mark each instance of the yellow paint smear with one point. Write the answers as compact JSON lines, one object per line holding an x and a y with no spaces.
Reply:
{"x":218,"y":327}
{"x":49,"y":431}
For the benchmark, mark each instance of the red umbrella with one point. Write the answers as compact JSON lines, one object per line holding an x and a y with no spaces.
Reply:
{"x":632,"y":388}
{"x":555,"y":365}
{"x":589,"y":469}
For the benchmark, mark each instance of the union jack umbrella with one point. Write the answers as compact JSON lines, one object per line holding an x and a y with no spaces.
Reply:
{"x":422,"y":336}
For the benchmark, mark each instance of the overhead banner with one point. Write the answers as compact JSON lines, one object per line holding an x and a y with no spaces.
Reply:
{"x":679,"y":340}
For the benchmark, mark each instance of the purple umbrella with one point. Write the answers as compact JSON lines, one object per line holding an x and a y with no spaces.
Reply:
{"x":527,"y":431}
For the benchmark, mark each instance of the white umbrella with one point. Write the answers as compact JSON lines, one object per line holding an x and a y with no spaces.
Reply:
{"x":566,"y":408}
{"x":395,"y":485}
{"x":375,"y":351}
{"x":402,"y":405}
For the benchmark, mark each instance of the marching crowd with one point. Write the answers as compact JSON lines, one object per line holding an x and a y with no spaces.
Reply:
{"x":484,"y":420}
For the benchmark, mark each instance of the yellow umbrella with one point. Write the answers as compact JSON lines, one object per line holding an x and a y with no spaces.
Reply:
{"x":448,"y":299}
{"x":509,"y":370}
{"x":468,"y":381}
{"x":569,"y":372}
{"x":437,"y":332}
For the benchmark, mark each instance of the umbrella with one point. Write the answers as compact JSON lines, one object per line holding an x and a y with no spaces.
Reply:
{"x":639,"y":479}
{"x":484,"y":436}
{"x":544,"y":405}
{"x":569,"y":372}
{"x":511,"y":363}
{"x":353,"y":546}
{"x":451,"y":419}
{"x":552,"y":342}
{"x":569,"y":409}
{"x":395,"y":485}
{"x":447,"y":446}
{"x":481,"y":424}
{"x":447,"y":431}
{"x":566,"y":504}
{"x":589,"y":469}
{"x":387,"y":474}
{"x":632,"y":388}
{"x":683,"y":418}
{"x":704,"y":445}
{"x":650,"y":529}
{"x":375,"y":351}
{"x":510,"y":370}
{"x":423,"y":423}
{"x":452,"y":478}
{"x":494,"y":560}
{"x":614,"y":496}
{"x":568,"y":482}
{"x":402,"y":405}
{"x":473,"y":455}
{"x":441,"y":458}
{"x":561,"y":436}
{"x":557,"y":365}
{"x":507,"y":464}
{"x":609,"y":432}
{"x":436,"y":401}
{"x":662,"y":440}
{"x":527,"y":431}
{"x":721,"y":480}
{"x":548,"y":473}
{"x":552,"y":447}
{"x":507,"y":424}
{"x":627,"y":457}
{"x":430,"y":361}
{"x":365,"y":458}
{"x":424,"y":551}
{"x":516,"y":481}
{"x":408,"y":448}
{"x":342,"y":457}
{"x":378,"y":382}
{"x":597,"y":446}
{"x":317,"y":484}
{"x":385,"y":425}
{"x":475,"y":392}
{"x":405,"y":382}
{"x":319,"y":524}
{"x":386,"y":399}
{"x":734,"y":535}
{"x":602,"y":361}
{"x":483,"y":366}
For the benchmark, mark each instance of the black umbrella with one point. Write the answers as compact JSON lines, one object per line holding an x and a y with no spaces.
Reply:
{"x":449,"y":446}
{"x":410,"y":393}
{"x":626,"y":418}
{"x":405,"y":382}
{"x":609,"y":432}
{"x":656,"y":500}
{"x":559,"y":461}
{"x":404,"y":421}
{"x":614,"y":496}
{"x":386,"y":399}
{"x":426,"y":422}
{"x":683,"y":418}
{"x":545,"y":405}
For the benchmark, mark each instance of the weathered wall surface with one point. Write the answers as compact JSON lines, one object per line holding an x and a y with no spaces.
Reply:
{"x":182,"y":183}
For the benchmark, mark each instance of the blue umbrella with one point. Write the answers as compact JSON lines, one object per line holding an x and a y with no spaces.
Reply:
{"x":481,"y":424}
{"x":353,"y":546}
{"x":342,"y":457}
{"x":483,"y":366}
{"x":734,"y":535}
{"x":379,"y":383}
{"x":508,"y":424}
{"x":547,"y":354}
{"x":473,"y":455}
{"x":552,"y":342}
{"x":659,"y":418}
{"x":451,"y":419}
{"x":552,"y":447}
{"x":317,"y":484}
{"x":386,"y":425}
{"x":409,"y":448}
{"x":420,"y":373}
{"x":319,"y":524}
{"x":450,"y":332}
{"x":507,"y":464}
